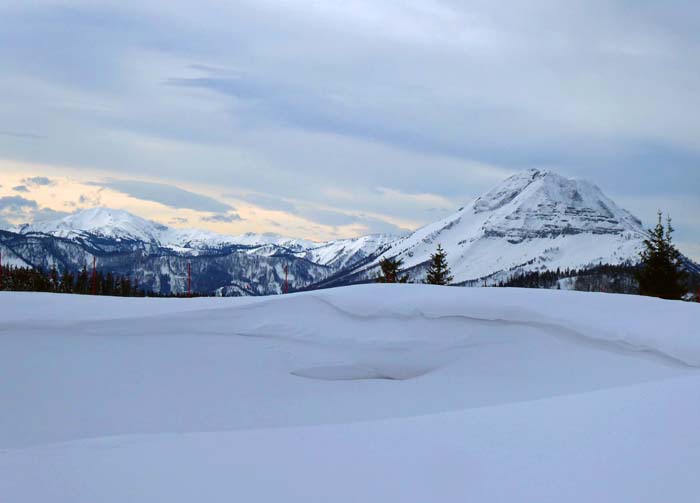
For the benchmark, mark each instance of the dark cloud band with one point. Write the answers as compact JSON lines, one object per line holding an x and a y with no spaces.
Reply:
{"x":168,"y":195}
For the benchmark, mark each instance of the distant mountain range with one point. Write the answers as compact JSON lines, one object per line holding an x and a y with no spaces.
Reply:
{"x":533,"y":221}
{"x":157,"y":256}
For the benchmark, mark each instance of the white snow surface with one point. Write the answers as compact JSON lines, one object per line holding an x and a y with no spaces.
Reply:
{"x":534,"y":220}
{"x":345,"y":252}
{"x":371,"y":393}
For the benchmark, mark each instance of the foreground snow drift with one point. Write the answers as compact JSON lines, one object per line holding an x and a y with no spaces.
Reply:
{"x":371,"y":393}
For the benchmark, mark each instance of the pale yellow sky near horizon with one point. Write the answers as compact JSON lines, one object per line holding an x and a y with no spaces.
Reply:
{"x":75,"y":189}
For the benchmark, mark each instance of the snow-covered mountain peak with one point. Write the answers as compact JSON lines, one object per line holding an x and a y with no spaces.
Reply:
{"x":544,"y":202}
{"x":346,"y":252}
{"x":508,"y":190}
{"x":102,"y":222}
{"x":533,"y":220}
{"x":122,"y":226}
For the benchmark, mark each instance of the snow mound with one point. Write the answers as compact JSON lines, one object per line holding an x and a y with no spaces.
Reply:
{"x":667,"y":328}
{"x":372,"y":393}
{"x":358,"y":372}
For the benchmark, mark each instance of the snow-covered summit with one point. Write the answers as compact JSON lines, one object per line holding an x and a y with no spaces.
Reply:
{"x":533,"y":220}
{"x":538,"y":203}
{"x":121,"y":225}
{"x":101,"y":222}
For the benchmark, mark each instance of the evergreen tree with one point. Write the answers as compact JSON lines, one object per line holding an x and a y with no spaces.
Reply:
{"x":125,"y":287}
{"x":54,"y":278}
{"x":439,"y":271}
{"x":109,"y":284}
{"x":662,"y":272}
{"x":391,"y":271}
{"x":67,"y":282}
{"x":25,"y":279}
{"x":82,"y":285}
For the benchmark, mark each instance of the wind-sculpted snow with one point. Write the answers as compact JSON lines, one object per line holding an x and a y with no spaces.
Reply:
{"x":372,"y":393}
{"x":633,"y":444}
{"x":637,"y":323}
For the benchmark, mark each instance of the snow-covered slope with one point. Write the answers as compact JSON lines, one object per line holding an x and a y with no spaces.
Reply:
{"x":158,"y":256}
{"x":347,"y":252}
{"x":268,"y":238}
{"x":373,"y":393}
{"x":534,"y":220}
{"x":100,"y":222}
{"x":122,"y":225}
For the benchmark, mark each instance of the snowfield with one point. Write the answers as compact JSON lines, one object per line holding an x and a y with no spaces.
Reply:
{"x":374,"y":393}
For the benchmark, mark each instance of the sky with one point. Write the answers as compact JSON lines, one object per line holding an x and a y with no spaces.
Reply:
{"x":327,"y":119}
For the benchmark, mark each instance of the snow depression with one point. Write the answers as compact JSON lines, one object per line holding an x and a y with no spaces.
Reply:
{"x":374,"y":393}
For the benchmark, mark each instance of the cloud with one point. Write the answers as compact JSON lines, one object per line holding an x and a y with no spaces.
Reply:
{"x":17,"y":203}
{"x":20,"y":188}
{"x":370,"y":224}
{"x":88,"y":200}
{"x":168,"y":195}
{"x":379,"y":226}
{"x":16,"y":209}
{"x":45,"y":214}
{"x":178,"y":220}
{"x":22,"y":136}
{"x":268,"y":202}
{"x":39,"y":180}
{"x":222,"y":218}
{"x":440,"y":97}
{"x":328,"y":217}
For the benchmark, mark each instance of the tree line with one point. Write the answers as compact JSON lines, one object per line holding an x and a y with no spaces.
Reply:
{"x":600,"y":278}
{"x":26,"y":279}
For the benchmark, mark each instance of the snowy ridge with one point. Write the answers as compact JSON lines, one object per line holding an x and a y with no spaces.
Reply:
{"x":101,"y":222}
{"x":534,"y":220}
{"x":268,"y":238}
{"x":346,"y":252}
{"x":122,"y":225}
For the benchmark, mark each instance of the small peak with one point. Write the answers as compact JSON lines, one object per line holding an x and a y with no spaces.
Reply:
{"x":538,"y":173}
